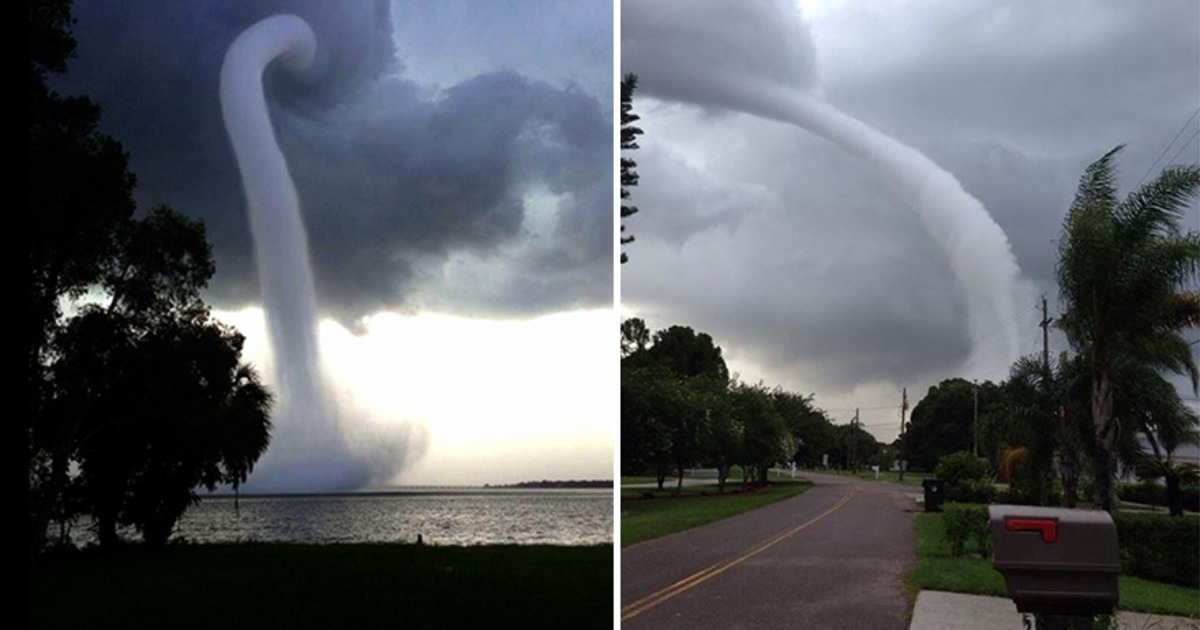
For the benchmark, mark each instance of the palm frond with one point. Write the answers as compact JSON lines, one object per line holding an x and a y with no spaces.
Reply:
{"x":1097,"y":188}
{"x":1160,"y":468}
{"x":1156,"y":207}
{"x":1011,"y":460}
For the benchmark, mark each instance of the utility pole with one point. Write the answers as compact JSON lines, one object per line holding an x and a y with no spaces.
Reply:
{"x":975,"y":432}
{"x":854,"y":443}
{"x":1045,"y":324}
{"x":903,"y":412}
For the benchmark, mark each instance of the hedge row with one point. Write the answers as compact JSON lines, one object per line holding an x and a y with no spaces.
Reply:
{"x":1156,"y":494}
{"x":1159,"y":547}
{"x":1152,"y":546}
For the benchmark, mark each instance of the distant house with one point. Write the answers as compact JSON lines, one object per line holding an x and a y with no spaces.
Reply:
{"x":1186,"y":453}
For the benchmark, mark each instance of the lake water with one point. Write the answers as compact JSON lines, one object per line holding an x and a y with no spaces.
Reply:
{"x":580,"y":517}
{"x":475,"y":517}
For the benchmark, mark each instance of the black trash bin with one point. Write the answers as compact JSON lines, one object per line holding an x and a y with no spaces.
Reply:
{"x":935,"y":492}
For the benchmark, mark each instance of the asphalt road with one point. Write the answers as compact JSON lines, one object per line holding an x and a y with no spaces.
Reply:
{"x":832,"y":557}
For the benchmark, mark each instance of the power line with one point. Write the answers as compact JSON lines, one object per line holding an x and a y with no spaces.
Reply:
{"x":1184,"y":146}
{"x":1168,"y":147}
{"x":1007,"y":327}
{"x":1016,"y":321}
{"x":849,"y":409}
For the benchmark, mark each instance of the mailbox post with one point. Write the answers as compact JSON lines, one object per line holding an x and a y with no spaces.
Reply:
{"x":1056,"y":561}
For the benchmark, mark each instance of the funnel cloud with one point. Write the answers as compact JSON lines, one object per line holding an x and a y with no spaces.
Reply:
{"x":906,"y":237}
{"x":761,"y":62}
{"x":310,"y":450}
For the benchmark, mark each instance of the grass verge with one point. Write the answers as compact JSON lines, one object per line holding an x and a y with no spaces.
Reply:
{"x":646,"y":518}
{"x":937,"y":570}
{"x":326,"y":586}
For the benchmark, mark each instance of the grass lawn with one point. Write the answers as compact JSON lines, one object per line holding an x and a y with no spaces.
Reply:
{"x":669,"y":488}
{"x":644,"y":519}
{"x":326,"y":586}
{"x":937,"y":570}
{"x":710,"y":475}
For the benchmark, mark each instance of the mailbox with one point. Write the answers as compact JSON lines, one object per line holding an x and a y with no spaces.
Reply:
{"x":1056,"y":561}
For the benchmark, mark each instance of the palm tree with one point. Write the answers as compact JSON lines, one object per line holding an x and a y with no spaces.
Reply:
{"x":1126,"y":276}
{"x":1151,"y":413}
{"x":1174,"y":474}
{"x":1032,"y":426}
{"x":244,"y":427}
{"x":1166,"y":424}
{"x":629,"y":134}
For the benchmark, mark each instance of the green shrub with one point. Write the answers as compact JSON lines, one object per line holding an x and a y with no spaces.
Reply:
{"x":1159,"y":547}
{"x":960,"y":467}
{"x":965,"y":477}
{"x":978,"y":491}
{"x":1020,"y":495}
{"x":957,"y":527}
{"x":964,"y":523}
{"x":1016,"y":495}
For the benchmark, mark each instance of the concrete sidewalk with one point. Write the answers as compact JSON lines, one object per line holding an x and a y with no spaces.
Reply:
{"x":937,"y":610}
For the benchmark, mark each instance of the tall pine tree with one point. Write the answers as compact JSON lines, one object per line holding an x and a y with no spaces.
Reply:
{"x":629,"y":134}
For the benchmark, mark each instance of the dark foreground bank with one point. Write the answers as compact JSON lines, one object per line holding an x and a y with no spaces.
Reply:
{"x":214,"y":587}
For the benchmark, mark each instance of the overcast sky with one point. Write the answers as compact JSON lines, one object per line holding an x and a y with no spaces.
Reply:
{"x":454,"y":166}
{"x":802,"y":261}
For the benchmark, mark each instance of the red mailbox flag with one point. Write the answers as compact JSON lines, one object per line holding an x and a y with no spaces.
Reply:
{"x":1047,"y":527}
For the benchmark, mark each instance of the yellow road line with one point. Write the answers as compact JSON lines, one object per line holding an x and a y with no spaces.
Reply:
{"x":654,"y":599}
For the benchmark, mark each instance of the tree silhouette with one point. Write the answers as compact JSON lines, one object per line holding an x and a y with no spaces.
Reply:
{"x":135,"y":395}
{"x":650,"y":396}
{"x":635,"y":337}
{"x":679,"y":408}
{"x":943,"y":422}
{"x":809,"y":427}
{"x":668,"y":392}
{"x":764,"y":435}
{"x":689,"y":355}
{"x":629,"y":134}
{"x":149,"y":391}
{"x":80,"y":191}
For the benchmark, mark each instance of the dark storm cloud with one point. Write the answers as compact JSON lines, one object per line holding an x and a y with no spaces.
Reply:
{"x":668,"y":43}
{"x":1040,"y":73}
{"x":393,"y":179}
{"x":1016,"y":99}
{"x":402,"y":179}
{"x":697,"y":202}
{"x":849,"y":283}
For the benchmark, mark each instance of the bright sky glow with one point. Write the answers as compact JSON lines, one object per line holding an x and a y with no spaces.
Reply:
{"x":502,"y":400}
